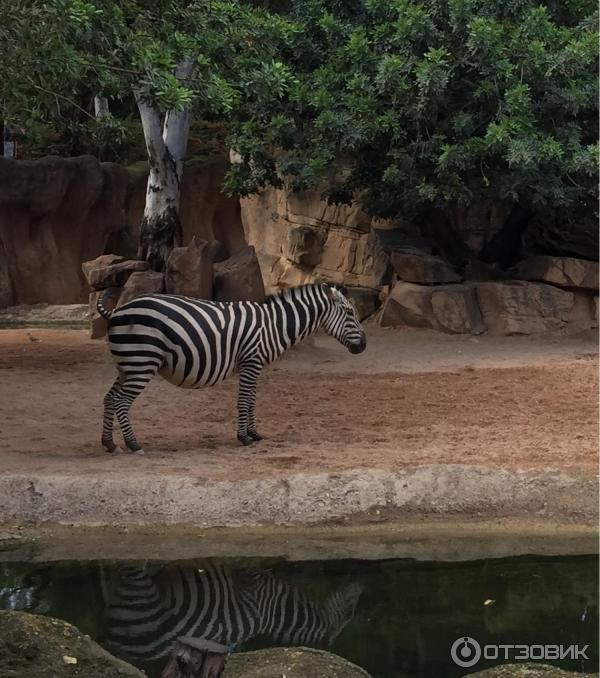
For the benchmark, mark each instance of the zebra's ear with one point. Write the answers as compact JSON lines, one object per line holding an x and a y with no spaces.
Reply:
{"x":329,"y":286}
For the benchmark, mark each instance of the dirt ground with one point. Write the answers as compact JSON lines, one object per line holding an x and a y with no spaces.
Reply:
{"x":413,"y":398}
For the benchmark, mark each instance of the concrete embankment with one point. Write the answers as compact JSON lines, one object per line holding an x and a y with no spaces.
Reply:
{"x":365,"y":495}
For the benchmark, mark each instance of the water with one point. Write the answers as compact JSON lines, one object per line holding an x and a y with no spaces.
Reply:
{"x":395,"y":618}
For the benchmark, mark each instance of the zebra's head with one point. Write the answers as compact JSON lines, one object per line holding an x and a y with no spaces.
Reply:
{"x":341,"y":608}
{"x":341,"y":320}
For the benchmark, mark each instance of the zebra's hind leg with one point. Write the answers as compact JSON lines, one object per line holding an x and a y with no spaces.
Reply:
{"x":108,"y":419}
{"x":129,"y":387}
{"x":247,"y":433}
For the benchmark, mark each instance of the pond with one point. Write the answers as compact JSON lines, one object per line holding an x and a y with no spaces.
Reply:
{"x":394,"y":618}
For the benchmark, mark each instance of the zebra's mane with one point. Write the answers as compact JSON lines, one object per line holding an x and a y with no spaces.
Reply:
{"x":291,"y":292}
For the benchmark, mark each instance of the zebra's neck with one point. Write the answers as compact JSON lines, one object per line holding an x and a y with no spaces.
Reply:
{"x":295,"y":314}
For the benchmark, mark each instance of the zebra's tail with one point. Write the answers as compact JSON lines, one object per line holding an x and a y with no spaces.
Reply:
{"x":102,"y":310}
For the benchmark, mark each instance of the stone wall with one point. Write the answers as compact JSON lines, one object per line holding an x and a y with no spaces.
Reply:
{"x":299,"y":238}
{"x":56,"y":213}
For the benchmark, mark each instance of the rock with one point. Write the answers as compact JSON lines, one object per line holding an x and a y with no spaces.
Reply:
{"x":449,"y":308}
{"x":561,"y":271}
{"x":382,"y":269}
{"x":456,"y":310}
{"x":528,"y":670}
{"x":516,"y":307}
{"x":340,"y":231}
{"x":239,"y":278}
{"x":98,"y":325}
{"x":305,"y":245}
{"x":190,"y":271}
{"x":216,"y":251}
{"x":595,"y":308}
{"x":559,"y":235}
{"x":110,"y":270}
{"x":7,"y":295}
{"x":420,"y":267}
{"x":365,"y":299}
{"x":291,"y":662}
{"x":138,"y":284}
{"x":32,"y":645}
{"x":408,"y":304}
{"x":57,"y":212}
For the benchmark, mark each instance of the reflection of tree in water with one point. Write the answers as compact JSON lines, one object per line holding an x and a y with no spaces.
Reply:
{"x":148,"y":608}
{"x":24,"y":589}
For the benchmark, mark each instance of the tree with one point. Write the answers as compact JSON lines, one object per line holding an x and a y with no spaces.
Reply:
{"x":413,"y":108}
{"x":409,"y":108}
{"x":174,"y":59}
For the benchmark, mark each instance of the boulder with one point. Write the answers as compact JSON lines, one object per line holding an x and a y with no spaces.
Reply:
{"x":365,"y":299}
{"x":561,"y":271}
{"x":448,"y":308}
{"x":382,"y":269}
{"x":239,"y":278}
{"x":189,"y":271}
{"x":291,"y":662}
{"x":32,"y":645}
{"x":216,"y":251}
{"x":110,"y":300}
{"x":138,"y":284}
{"x":110,"y":270}
{"x":517,"y":307}
{"x":420,"y":267}
{"x":455,"y":309}
{"x":305,"y":245}
{"x":528,"y":670}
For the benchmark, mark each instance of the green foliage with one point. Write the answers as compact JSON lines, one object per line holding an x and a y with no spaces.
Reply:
{"x":69,"y":51}
{"x":400,"y":104}
{"x":432,"y":103}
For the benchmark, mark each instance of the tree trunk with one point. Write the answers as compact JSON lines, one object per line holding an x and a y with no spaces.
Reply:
{"x":503,"y":248}
{"x":166,"y":145}
{"x":101,"y":109}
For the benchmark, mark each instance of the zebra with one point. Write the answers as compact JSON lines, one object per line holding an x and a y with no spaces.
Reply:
{"x":148,"y":608}
{"x":193,"y":343}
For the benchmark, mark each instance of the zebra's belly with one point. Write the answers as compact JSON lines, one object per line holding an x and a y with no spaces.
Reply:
{"x":202,"y":376}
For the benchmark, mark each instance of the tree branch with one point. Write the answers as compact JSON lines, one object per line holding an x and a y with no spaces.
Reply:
{"x":177,"y":123}
{"x":62,"y":96}
{"x":152,"y":129}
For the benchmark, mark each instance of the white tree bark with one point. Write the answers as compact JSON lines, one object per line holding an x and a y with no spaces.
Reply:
{"x":166,"y":145}
{"x":101,"y":109}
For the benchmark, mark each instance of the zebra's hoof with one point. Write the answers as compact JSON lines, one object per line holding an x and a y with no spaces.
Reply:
{"x":246,"y":440}
{"x":140,"y":452}
{"x":255,"y":436}
{"x":114,"y":449}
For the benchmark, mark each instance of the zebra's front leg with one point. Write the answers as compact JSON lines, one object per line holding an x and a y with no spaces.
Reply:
{"x":108,"y":420}
{"x":247,"y":433}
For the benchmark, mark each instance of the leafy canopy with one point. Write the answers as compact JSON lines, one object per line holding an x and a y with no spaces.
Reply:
{"x":414,"y":104}
{"x":400,"y":104}
{"x":69,"y":51}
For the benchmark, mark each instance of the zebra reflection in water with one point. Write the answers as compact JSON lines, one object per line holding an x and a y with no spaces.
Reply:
{"x":148,"y":608}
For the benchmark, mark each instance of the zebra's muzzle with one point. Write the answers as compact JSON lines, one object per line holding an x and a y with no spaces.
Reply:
{"x":358,"y":346}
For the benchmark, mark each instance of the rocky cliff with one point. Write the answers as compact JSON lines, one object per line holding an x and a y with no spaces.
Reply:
{"x":56,"y":213}
{"x":440,"y":273}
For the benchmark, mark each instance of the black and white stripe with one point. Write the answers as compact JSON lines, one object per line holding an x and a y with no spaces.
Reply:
{"x":147,"y":611}
{"x":193,"y":343}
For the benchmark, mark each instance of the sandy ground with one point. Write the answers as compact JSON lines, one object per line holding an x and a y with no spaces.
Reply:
{"x":413,"y":398}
